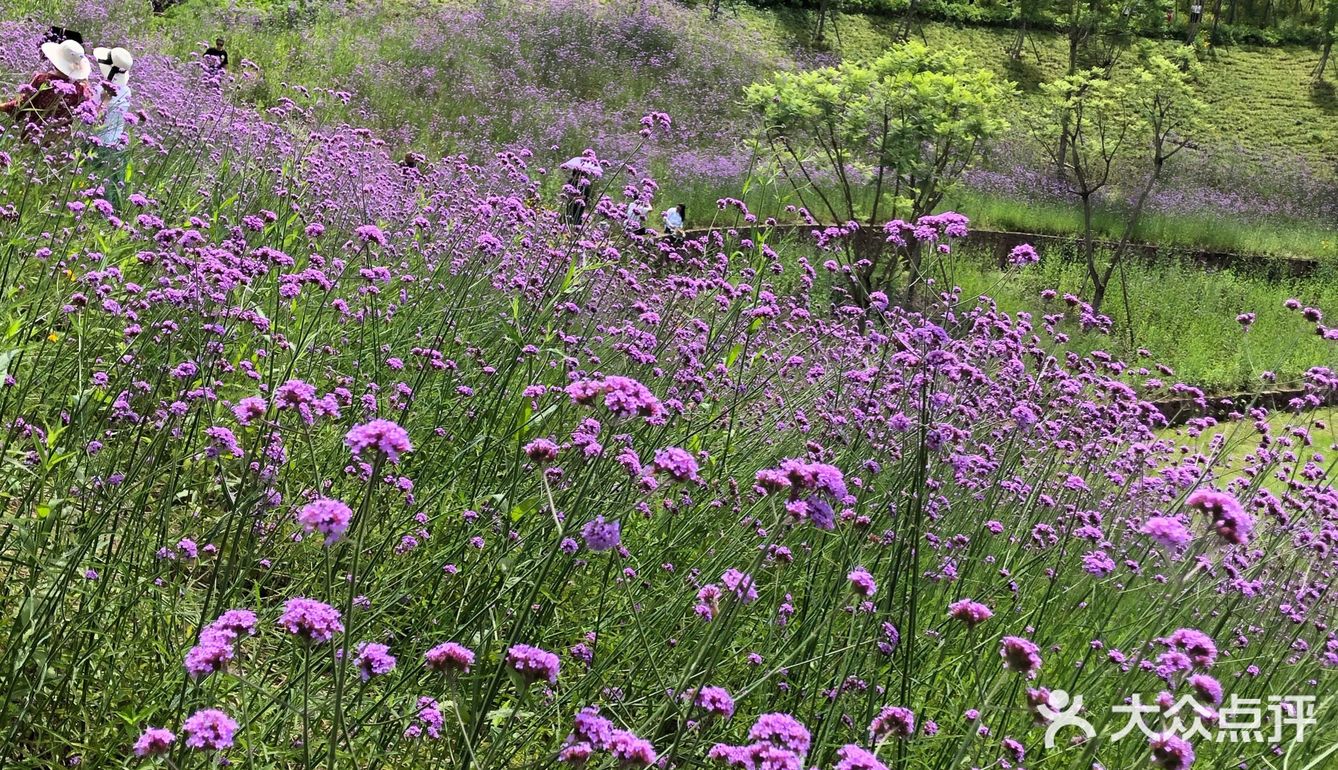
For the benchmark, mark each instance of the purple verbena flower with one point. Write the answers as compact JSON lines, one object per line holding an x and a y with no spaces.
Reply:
{"x":311,"y":620}
{"x":154,"y":741}
{"x":892,"y":722}
{"x":209,"y":729}
{"x":1020,"y":655}
{"x":384,"y":436}
{"x":373,"y":659}
{"x":969,"y":612}
{"x":533,"y":664}
{"x":601,"y":535}
{"x":449,"y":657}
{"x":327,"y":516}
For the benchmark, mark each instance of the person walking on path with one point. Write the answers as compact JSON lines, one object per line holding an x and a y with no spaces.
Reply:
{"x":109,"y":140}
{"x":49,"y":103}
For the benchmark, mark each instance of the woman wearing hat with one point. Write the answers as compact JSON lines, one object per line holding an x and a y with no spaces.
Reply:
{"x":48,"y":103}
{"x":115,"y":64}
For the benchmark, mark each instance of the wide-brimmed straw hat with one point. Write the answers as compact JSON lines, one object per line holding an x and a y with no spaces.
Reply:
{"x":585,"y":165}
{"x":115,"y":63}
{"x":69,"y":59}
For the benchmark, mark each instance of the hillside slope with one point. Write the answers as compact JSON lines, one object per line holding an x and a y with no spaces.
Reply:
{"x":1262,"y":99}
{"x":1264,"y":104}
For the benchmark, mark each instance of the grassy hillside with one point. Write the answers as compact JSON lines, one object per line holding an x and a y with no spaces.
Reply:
{"x":1263,"y":103}
{"x":559,"y":77}
{"x":1262,"y":99}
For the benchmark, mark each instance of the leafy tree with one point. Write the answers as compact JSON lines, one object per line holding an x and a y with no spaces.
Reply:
{"x":884,"y":138}
{"x":1098,"y":31}
{"x":1132,"y":122}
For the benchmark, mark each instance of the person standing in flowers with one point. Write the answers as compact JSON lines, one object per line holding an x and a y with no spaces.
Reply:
{"x":580,"y":187}
{"x":673,"y":222}
{"x":216,"y":56}
{"x":55,"y":34}
{"x":48,"y":104}
{"x":109,"y":141}
{"x":635,"y":221}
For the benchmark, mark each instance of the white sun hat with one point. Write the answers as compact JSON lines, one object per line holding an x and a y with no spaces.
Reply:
{"x":69,"y":59}
{"x":115,"y":63}
{"x":584,"y":164}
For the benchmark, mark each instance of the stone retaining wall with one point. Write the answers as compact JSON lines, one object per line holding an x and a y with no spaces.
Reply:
{"x":1002,"y":241}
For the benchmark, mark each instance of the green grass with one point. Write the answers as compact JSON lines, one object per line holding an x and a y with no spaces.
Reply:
{"x":1189,"y":231}
{"x":1182,"y":314}
{"x":1229,"y":445}
{"x":1186,"y":232}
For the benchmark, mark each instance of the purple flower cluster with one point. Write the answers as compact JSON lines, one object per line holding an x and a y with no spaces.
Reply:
{"x":601,"y":535}
{"x":382,"y":436}
{"x":373,"y":659}
{"x":310,"y":620}
{"x":776,"y":741}
{"x":969,"y":612}
{"x":715,"y":701}
{"x":892,"y":722}
{"x":1020,"y":655}
{"x":449,"y":657}
{"x":678,"y":464}
{"x":533,"y":664}
{"x":623,"y":396}
{"x":209,"y":729}
{"x":218,"y":642}
{"x":593,"y":734}
{"x":326,"y":516}
{"x":861,"y":582}
{"x":1229,"y":519}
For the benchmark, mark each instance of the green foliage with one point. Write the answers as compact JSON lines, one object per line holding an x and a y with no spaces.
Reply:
{"x":1094,"y":119}
{"x":1241,"y":22}
{"x":912,"y":119}
{"x":1277,"y":237}
{"x":906,"y":124}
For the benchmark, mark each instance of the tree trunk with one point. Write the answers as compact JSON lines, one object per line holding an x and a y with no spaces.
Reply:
{"x":822,"y":20}
{"x":907,"y":21}
{"x":1130,"y":227}
{"x":1060,"y":172}
{"x":1089,"y":253}
{"x":1324,"y":58}
{"x":1016,"y":52}
{"x":913,"y":257}
{"x":1099,"y":295}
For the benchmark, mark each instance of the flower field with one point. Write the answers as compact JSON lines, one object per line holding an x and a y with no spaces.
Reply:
{"x":315,"y":458}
